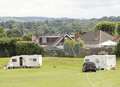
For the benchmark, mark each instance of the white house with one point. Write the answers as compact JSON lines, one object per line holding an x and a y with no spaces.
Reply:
{"x":25,"y":61}
{"x":102,"y":61}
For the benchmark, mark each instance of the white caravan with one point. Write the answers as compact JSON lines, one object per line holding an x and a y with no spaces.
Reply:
{"x":25,"y":61}
{"x":102,"y":61}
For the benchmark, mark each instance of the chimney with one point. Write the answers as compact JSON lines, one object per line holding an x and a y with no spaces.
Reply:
{"x":77,"y":36}
{"x":35,"y":39}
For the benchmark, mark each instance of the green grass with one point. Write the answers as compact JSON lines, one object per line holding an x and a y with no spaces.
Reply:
{"x":58,"y":72}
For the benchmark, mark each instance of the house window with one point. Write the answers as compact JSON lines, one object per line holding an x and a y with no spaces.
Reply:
{"x":44,"y":40}
{"x":14,"y":60}
{"x":34,"y":60}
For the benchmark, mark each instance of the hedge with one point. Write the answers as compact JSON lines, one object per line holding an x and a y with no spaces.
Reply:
{"x":117,"y":50}
{"x":28,"y":48}
{"x":9,"y":47}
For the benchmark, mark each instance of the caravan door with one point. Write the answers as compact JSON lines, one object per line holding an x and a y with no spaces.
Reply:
{"x":21,"y":61}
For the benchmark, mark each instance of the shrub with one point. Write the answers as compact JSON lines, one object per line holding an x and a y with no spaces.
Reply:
{"x":108,"y":27}
{"x":72,"y":47}
{"x":7,"y":47}
{"x":117,"y":50}
{"x":28,"y":48}
{"x":26,"y":38}
{"x":54,"y":51}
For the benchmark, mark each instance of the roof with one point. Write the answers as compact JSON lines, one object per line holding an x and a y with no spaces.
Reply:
{"x":61,"y":38}
{"x":53,"y":36}
{"x":96,"y":37}
{"x":116,"y":38}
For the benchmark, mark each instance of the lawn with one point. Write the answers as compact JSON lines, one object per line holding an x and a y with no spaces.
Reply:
{"x":58,"y":72}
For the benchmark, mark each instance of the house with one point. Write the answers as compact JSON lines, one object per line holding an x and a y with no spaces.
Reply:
{"x":116,"y":38}
{"x":25,"y":61}
{"x":98,"y":42}
{"x":108,"y":43}
{"x":92,"y":39}
{"x":52,"y":40}
{"x":102,"y":61}
{"x":94,"y":42}
{"x":95,"y":39}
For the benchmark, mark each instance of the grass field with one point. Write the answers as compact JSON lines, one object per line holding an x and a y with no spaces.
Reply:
{"x":58,"y":72}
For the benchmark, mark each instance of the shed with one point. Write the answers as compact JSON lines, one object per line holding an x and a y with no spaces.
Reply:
{"x":25,"y":61}
{"x":102,"y":61}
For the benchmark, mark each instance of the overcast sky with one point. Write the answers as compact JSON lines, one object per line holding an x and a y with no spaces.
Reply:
{"x":60,"y":8}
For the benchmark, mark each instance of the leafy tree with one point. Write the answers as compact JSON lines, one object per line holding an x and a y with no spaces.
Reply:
{"x":28,"y":48}
{"x":2,"y":32}
{"x":27,"y":37}
{"x":108,"y":27}
{"x":118,"y":28}
{"x":11,"y":47}
{"x":14,"y":33}
{"x":72,"y":47}
{"x":38,"y":25}
{"x":117,"y":49}
{"x":7,"y":46}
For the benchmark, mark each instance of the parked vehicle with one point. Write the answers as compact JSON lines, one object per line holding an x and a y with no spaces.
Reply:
{"x":25,"y":61}
{"x":106,"y":62}
{"x":89,"y":67}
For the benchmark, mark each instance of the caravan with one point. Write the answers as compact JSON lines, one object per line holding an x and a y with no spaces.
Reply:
{"x":25,"y":61}
{"x":102,"y":61}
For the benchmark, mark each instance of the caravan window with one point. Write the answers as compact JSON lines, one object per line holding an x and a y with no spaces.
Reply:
{"x":14,"y":60}
{"x":34,"y":60}
{"x":87,"y":60}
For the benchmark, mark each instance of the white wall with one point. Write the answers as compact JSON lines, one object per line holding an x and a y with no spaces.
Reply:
{"x":102,"y":61}
{"x":27,"y":61}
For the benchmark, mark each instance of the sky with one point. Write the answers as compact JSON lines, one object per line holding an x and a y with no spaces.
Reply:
{"x":60,"y":8}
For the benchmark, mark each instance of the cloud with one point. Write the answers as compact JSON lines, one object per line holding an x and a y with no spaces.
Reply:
{"x":98,"y":3}
{"x":60,"y":8}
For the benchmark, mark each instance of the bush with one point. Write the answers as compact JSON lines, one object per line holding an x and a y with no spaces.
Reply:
{"x":117,"y":50}
{"x":26,"y":38}
{"x":72,"y":47}
{"x":28,"y":48}
{"x":7,"y":47}
{"x":54,"y":51}
{"x":108,"y":27}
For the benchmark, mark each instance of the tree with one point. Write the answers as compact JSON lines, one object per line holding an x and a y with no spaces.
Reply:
{"x":108,"y":27}
{"x":117,"y":50}
{"x":27,"y":37}
{"x":72,"y":47}
{"x":7,"y":46}
{"x":28,"y":48}
{"x":2,"y":32}
{"x":118,"y":28}
{"x":14,"y":33}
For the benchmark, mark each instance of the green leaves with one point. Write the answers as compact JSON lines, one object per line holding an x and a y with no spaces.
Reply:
{"x":117,"y":49}
{"x":28,"y":48}
{"x":112,"y":28}
{"x":2,"y":32}
{"x":108,"y":27}
{"x":9,"y":47}
{"x":118,"y":28}
{"x":72,"y":47}
{"x":14,"y":33}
